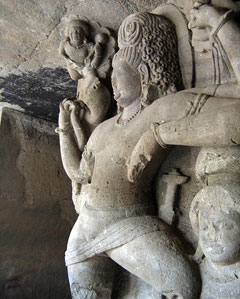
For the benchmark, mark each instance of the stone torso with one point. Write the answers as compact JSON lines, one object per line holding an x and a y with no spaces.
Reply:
{"x":111,"y":145}
{"x":75,"y":54}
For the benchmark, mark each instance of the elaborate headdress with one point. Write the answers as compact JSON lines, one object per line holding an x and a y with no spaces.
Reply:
{"x":149,"y":43}
{"x":77,"y":21}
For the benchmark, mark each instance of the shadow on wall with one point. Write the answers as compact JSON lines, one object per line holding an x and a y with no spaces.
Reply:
{"x":38,"y":93}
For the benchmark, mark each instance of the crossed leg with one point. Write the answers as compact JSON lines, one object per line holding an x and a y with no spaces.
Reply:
{"x":92,"y":278}
{"x":158,"y":260}
{"x":155,"y":257}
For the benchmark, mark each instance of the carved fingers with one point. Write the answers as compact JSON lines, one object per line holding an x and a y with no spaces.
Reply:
{"x":203,"y":20}
{"x":66,"y":108}
{"x":135,"y":166}
{"x":203,"y":16}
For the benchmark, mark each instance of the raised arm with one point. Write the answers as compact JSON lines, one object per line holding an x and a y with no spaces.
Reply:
{"x":71,"y":147}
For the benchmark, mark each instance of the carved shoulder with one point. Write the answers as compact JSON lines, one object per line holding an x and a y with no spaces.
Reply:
{"x":62,"y":48}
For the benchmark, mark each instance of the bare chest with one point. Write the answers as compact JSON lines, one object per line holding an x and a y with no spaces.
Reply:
{"x":77,"y":55}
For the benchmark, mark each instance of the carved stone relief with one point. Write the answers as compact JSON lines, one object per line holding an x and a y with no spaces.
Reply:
{"x":215,"y":219}
{"x":113,"y":172}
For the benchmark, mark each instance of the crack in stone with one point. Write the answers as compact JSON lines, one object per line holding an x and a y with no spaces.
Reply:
{"x":125,"y":4}
{"x":38,"y":44}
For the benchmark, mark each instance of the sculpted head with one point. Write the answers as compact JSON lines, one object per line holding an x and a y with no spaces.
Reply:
{"x":76,"y":30}
{"x":146,"y":66}
{"x":215,"y":217}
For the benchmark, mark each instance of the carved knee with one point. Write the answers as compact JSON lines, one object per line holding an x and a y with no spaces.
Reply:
{"x":79,"y":292}
{"x":95,"y":291}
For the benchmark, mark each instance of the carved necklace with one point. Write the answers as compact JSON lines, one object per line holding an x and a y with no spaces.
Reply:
{"x":125,"y":122}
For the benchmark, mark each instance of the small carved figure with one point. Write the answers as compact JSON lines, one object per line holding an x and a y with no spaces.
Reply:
{"x":88,"y":63}
{"x":98,"y":51}
{"x":76,"y":47}
{"x":215,"y":218}
{"x":86,"y":44}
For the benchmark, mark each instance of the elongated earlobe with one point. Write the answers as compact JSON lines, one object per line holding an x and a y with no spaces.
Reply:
{"x":198,"y":256}
{"x":144,"y":73}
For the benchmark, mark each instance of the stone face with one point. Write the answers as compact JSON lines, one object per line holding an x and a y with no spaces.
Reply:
{"x":36,"y":210}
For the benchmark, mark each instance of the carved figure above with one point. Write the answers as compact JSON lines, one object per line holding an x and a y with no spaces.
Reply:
{"x":215,"y":218}
{"x":88,"y":49}
{"x":86,"y":44}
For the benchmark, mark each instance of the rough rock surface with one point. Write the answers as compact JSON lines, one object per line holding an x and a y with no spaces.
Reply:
{"x":32,"y":75}
{"x":36,"y":211}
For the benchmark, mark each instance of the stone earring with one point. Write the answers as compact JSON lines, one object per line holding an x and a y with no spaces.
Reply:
{"x":150,"y":93}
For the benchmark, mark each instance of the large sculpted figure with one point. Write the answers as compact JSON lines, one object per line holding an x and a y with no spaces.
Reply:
{"x":115,"y":171}
{"x":117,"y":218}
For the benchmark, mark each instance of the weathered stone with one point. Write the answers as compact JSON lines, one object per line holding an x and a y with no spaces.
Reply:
{"x":35,"y":211}
{"x":113,"y":185}
{"x":204,"y":119}
{"x":31,"y":33}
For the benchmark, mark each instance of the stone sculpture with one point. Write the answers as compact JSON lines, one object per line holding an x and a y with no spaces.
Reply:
{"x":86,"y":44}
{"x":113,"y":175}
{"x":215,"y":217}
{"x":87,"y":49}
{"x":117,"y":218}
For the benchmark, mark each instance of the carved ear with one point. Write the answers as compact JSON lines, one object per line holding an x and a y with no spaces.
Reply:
{"x":144,"y":73}
{"x":150,"y":93}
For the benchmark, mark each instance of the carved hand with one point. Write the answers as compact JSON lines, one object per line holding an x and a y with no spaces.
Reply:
{"x":203,"y":16}
{"x":64,"y":114}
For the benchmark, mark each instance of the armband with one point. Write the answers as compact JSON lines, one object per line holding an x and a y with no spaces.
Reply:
{"x":63,"y":131}
{"x":154,"y":128}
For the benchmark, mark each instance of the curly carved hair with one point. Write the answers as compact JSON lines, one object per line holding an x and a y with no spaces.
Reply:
{"x":148,"y":43}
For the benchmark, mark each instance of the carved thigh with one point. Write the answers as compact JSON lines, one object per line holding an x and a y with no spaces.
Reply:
{"x":159,"y":261}
{"x":76,"y":237}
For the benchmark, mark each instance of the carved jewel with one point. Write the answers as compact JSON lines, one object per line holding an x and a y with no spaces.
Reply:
{"x":121,"y":123}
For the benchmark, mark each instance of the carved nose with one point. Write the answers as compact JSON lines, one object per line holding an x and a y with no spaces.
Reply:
{"x":212,"y":232}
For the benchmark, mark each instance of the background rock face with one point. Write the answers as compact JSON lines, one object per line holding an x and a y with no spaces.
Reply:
{"x":36,"y":212}
{"x":32,"y":75}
